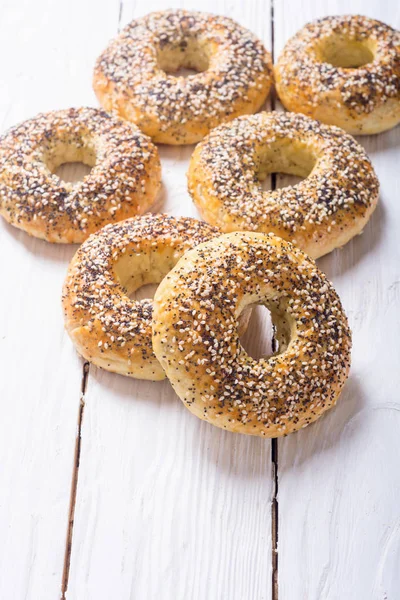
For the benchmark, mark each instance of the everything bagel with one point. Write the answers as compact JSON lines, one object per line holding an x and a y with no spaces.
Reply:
{"x":195,"y":335}
{"x":134,"y":75}
{"x":323,"y":212}
{"x":107,"y":327}
{"x":123,"y":182}
{"x":343,"y":71}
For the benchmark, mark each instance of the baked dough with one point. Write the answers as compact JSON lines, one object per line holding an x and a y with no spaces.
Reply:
{"x":195,"y":335}
{"x":323,"y":212}
{"x":343,"y":71}
{"x":123,"y":182}
{"x":135,"y":77}
{"x":107,"y":327}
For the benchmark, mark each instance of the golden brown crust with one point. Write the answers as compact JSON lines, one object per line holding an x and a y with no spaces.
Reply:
{"x":235,"y":79}
{"x":123,"y":182}
{"x":318,"y":214}
{"x":195,"y":335}
{"x":362,"y":100}
{"x":106,"y":326}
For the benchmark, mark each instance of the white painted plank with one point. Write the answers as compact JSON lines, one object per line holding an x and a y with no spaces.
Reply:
{"x":168,"y":506}
{"x":46,"y":64}
{"x":339,"y":480}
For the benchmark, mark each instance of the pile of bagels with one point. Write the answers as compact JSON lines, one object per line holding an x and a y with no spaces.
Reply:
{"x":336,"y":77}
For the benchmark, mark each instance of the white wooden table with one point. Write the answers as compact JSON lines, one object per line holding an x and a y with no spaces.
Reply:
{"x":109,"y":487}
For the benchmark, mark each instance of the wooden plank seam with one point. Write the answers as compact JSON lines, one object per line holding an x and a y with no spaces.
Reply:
{"x":274,"y":442}
{"x":74,"y":482}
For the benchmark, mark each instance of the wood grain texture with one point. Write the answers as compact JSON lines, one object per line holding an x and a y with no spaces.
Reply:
{"x":339,"y":481}
{"x":167,"y":506}
{"x":45,"y":65}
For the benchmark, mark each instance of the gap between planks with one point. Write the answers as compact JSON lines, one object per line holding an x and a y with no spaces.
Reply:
{"x":120,"y":15}
{"x":74,"y":483}
{"x":274,"y":441}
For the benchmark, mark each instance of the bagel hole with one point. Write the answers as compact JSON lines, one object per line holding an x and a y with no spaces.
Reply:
{"x":69,"y":161}
{"x":269,"y":331}
{"x":284,"y":163}
{"x":145,"y":292}
{"x":281,"y":180}
{"x":184,"y":60}
{"x":284,"y":180}
{"x":72,"y":172}
{"x":184,"y":72}
{"x":258,"y":339}
{"x":346,"y":53}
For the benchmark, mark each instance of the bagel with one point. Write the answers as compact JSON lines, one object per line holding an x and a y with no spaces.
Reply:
{"x":318,"y":214}
{"x":343,"y":71}
{"x":123,"y":182}
{"x":134,"y":75}
{"x":107,"y":327}
{"x":195,"y":336}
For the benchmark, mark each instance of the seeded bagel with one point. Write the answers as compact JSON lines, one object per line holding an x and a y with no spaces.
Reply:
{"x":333,"y":203}
{"x":123,"y":182}
{"x":343,"y":71}
{"x":196,"y":340}
{"x":108,"y":328}
{"x":134,"y":76}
